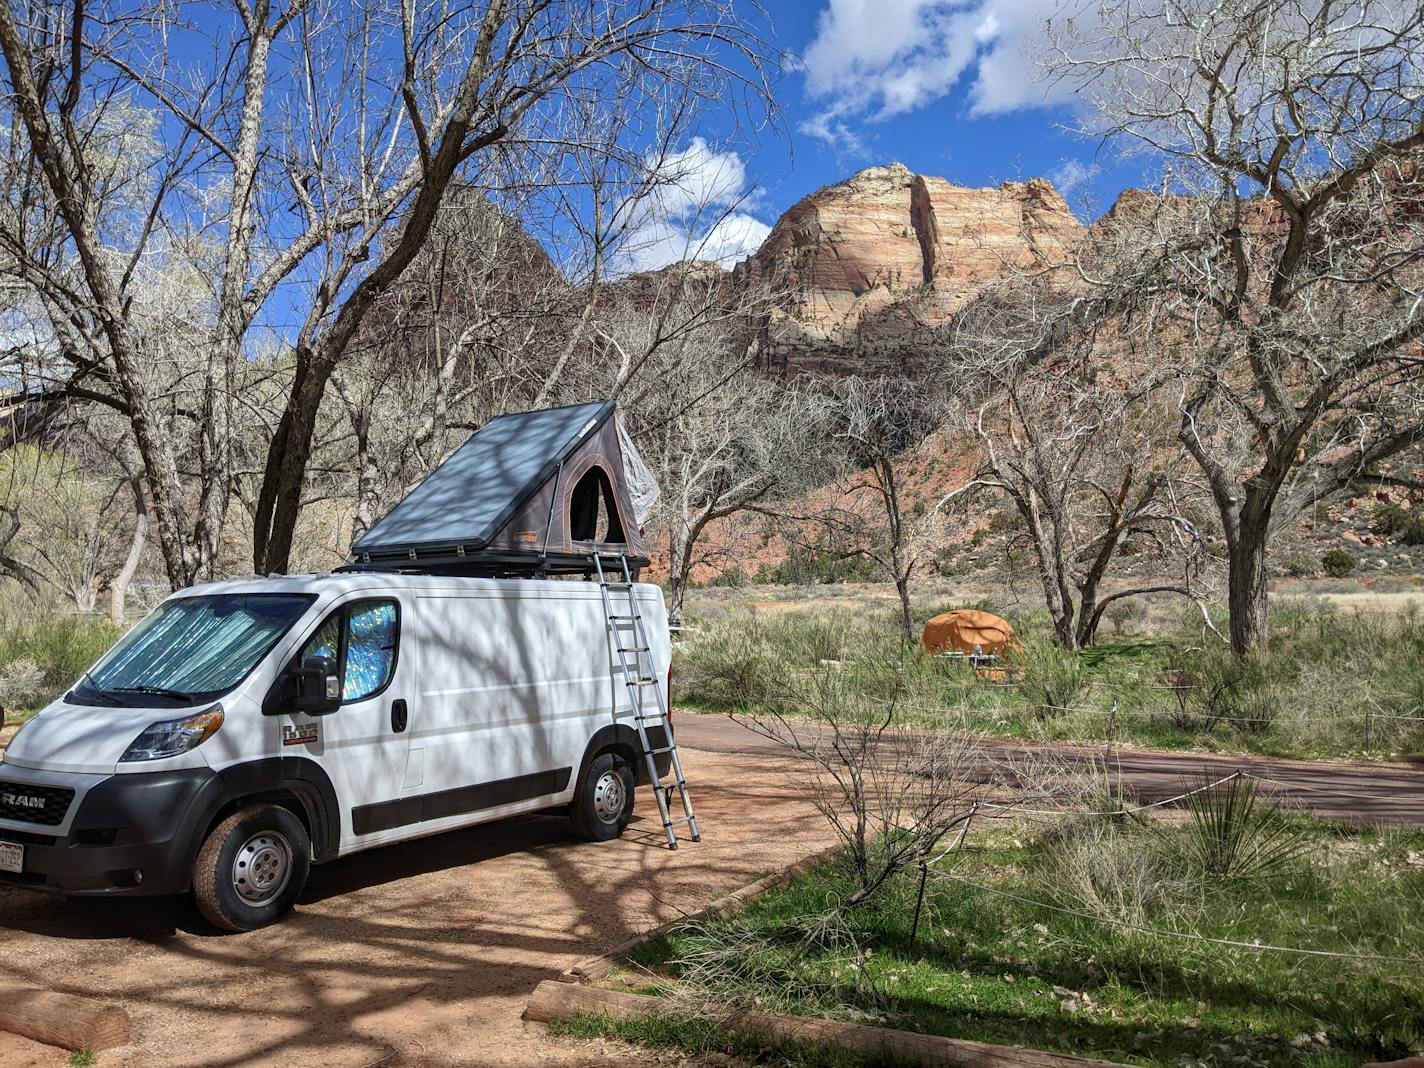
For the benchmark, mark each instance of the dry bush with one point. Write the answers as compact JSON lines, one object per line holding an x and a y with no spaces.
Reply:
{"x":21,"y":683}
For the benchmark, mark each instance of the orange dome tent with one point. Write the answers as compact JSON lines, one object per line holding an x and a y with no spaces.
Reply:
{"x":967,"y":630}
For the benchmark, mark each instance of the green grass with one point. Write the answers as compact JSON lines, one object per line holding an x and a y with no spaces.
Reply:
{"x":82,"y":1058}
{"x":1003,"y":971}
{"x":1337,"y":684}
{"x":700,"y":1037}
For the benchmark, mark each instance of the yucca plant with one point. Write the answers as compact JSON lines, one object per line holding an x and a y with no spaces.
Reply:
{"x":1232,"y":834}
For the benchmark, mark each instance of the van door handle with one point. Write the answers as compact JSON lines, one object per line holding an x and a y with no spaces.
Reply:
{"x":399,"y":716}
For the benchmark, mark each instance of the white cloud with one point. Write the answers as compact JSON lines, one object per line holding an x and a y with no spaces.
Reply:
{"x":829,"y":127}
{"x":698,"y":206}
{"x":1071,"y":175}
{"x":874,"y":59}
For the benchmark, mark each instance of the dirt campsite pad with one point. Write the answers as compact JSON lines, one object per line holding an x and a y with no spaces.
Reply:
{"x":417,"y":954}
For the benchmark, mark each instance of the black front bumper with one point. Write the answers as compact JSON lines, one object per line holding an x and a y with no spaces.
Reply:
{"x":132,"y":835}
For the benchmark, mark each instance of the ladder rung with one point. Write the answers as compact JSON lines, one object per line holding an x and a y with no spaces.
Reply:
{"x":642,"y":682}
{"x":655,"y":715}
{"x":660,"y":752}
{"x":680,"y":819}
{"x":617,"y":585}
{"x":635,"y":649}
{"x":624,"y":619}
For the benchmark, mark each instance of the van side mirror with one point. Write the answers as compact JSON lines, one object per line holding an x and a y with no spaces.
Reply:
{"x":318,"y":686}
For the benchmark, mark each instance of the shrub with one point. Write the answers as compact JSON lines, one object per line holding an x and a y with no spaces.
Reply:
{"x":21,"y":684}
{"x":1108,"y":867}
{"x":1126,"y":613}
{"x":1402,"y":524}
{"x":1005,"y":521}
{"x":1338,"y":563}
{"x":1231,"y":835}
{"x":810,"y":567}
{"x":732,"y":576}
{"x":1211,"y":687}
{"x":1052,"y":676}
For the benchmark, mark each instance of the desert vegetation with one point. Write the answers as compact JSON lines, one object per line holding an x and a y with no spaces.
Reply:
{"x":1020,"y":898}
{"x":1340,"y":682}
{"x":1092,"y":935}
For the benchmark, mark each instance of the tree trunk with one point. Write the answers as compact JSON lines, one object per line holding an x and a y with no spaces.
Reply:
{"x":119,"y":588}
{"x":280,"y":499}
{"x":1246,"y":586}
{"x":907,"y":621}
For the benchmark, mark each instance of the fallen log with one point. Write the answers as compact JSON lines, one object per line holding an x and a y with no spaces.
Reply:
{"x":63,"y":1020}
{"x":559,"y":1001}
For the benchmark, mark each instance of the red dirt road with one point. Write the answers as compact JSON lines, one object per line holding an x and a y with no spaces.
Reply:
{"x":1385,"y":795}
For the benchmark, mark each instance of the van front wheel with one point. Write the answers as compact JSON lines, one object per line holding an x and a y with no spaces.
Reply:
{"x":604,"y":804}
{"x":251,"y":868}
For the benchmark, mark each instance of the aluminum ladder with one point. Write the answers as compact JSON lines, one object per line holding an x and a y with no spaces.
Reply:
{"x":635,"y":662}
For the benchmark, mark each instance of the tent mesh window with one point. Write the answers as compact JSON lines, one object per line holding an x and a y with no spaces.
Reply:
{"x":593,"y":513}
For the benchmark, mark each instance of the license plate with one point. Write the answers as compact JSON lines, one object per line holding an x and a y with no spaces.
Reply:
{"x":12,"y":857}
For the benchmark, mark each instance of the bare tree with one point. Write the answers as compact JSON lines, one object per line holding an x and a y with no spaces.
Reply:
{"x":893,"y":796}
{"x":318,"y":143}
{"x":868,"y":427}
{"x":720,"y":439}
{"x":465,"y":334}
{"x":61,"y":534}
{"x":1079,"y":447}
{"x":1284,"y":267}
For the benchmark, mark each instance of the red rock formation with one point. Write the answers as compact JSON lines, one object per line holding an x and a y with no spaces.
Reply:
{"x":871,"y":262}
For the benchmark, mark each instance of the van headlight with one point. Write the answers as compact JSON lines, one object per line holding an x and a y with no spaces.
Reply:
{"x":169,"y":737}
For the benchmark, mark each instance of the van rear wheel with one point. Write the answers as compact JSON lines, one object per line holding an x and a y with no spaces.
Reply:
{"x":604,"y":804}
{"x":251,"y":868}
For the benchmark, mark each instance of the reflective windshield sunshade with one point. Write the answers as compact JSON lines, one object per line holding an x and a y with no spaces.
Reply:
{"x":193,"y":649}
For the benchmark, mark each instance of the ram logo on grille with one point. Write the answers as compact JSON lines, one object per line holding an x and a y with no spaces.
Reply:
{"x":34,"y":804}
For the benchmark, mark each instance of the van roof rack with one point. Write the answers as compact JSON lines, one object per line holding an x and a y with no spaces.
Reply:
{"x":530,"y":494}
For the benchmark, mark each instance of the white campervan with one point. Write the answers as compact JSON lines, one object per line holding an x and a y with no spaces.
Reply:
{"x":246,"y":730}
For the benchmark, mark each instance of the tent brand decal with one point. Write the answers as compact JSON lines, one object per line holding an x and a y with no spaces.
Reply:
{"x":529,"y":536}
{"x":300,"y":733}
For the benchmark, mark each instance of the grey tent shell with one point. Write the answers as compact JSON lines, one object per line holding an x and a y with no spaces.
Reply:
{"x":537,"y":490}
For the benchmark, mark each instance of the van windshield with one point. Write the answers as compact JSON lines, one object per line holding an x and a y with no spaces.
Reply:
{"x":191,"y":649}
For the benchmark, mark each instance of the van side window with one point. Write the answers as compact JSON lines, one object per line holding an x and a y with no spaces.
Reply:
{"x":361,"y":638}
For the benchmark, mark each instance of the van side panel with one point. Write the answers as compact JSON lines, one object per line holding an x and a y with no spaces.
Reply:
{"x":513,"y":679}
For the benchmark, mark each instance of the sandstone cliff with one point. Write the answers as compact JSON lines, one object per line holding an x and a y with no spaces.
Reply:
{"x":872,"y":264}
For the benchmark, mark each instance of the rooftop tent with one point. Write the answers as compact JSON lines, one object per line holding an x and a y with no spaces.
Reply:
{"x":530,"y":490}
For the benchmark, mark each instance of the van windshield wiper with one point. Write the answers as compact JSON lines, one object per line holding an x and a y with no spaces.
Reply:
{"x":177,"y":695}
{"x":105,"y":694}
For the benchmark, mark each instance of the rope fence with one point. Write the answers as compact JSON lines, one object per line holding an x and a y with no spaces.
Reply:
{"x":928,"y":868}
{"x":1116,"y":811}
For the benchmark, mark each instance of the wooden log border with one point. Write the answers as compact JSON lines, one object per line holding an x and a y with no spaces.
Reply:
{"x":63,"y":1020}
{"x":561,"y":1001}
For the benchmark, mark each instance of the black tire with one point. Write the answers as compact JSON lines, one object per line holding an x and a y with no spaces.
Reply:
{"x":604,"y":803}
{"x":251,"y":868}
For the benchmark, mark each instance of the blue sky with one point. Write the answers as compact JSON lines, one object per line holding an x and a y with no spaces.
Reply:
{"x":947,"y":87}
